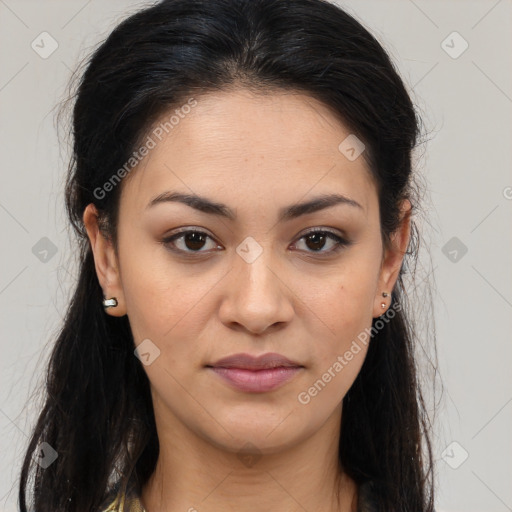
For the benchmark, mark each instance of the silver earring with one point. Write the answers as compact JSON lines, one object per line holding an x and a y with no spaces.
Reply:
{"x":110,"y":303}
{"x":383,"y":304}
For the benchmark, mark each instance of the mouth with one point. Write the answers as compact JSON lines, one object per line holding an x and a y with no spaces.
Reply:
{"x":255,"y":374}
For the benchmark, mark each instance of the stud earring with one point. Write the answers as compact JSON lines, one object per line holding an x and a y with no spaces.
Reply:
{"x":383,"y":304}
{"x":110,"y":303}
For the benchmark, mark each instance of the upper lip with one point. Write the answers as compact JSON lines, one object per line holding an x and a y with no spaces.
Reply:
{"x":249,"y":362}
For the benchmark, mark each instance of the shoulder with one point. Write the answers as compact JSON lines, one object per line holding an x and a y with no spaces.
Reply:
{"x":120,"y":500}
{"x":112,"y":501}
{"x":122,"y":503}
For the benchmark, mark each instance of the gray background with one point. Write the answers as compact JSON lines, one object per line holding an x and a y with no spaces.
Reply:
{"x":466,"y":105}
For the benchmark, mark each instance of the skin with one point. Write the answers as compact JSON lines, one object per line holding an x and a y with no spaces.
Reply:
{"x":256,"y":154}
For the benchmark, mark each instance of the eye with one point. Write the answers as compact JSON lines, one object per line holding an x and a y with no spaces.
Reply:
{"x":188,"y":241}
{"x":317,"y":239}
{"x":192,"y":241}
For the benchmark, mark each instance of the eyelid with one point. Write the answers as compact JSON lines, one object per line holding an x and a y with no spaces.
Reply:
{"x":321,"y":229}
{"x":307,"y":231}
{"x":188,"y":229}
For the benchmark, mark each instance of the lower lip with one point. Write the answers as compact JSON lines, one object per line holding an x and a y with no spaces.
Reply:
{"x":256,"y":381}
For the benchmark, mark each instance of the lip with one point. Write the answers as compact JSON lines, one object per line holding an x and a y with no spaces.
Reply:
{"x":250,"y":362}
{"x":256,"y":374}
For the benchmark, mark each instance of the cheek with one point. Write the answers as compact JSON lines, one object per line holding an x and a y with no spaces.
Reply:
{"x":345,"y":307}
{"x":344,"y":300}
{"x":339,"y":355}
{"x":349,"y":318}
{"x":158,"y":292}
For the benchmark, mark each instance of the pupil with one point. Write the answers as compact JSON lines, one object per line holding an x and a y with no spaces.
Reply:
{"x":319,"y":238}
{"x":194,"y":238}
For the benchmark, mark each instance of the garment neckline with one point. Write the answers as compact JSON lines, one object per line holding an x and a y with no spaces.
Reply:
{"x":129,"y":500}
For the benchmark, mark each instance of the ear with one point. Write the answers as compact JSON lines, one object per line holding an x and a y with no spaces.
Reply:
{"x":105,"y":261}
{"x":392,"y":260}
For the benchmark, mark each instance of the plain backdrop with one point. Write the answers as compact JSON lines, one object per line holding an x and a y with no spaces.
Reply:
{"x":454,"y":57}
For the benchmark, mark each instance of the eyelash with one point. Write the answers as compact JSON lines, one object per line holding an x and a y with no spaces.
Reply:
{"x":340,"y":242}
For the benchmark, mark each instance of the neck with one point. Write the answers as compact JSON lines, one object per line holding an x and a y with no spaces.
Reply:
{"x":196,"y":476}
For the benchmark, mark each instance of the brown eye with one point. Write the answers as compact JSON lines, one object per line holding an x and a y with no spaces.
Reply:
{"x":194,"y":240}
{"x":191,"y":241}
{"x":316,"y":240}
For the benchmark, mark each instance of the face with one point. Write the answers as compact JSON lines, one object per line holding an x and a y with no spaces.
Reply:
{"x":250,"y":276}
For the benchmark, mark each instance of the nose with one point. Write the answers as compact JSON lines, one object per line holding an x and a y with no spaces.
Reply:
{"x":256,"y":296}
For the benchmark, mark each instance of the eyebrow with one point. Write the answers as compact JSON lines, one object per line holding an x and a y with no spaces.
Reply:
{"x":287,"y":213}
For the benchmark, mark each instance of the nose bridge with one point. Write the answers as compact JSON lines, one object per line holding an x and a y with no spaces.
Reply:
{"x":255,"y":297}
{"x":254,"y":267}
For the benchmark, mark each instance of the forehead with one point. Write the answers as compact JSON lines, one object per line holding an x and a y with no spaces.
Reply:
{"x":277,"y":144}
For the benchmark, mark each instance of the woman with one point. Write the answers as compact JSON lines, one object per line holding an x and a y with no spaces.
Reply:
{"x":241,"y":187}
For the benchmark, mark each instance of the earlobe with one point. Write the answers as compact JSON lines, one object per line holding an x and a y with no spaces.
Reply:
{"x":105,"y":262}
{"x":382,"y":303}
{"x":113,"y":307}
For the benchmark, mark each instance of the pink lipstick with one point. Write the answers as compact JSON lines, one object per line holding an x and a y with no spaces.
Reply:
{"x":256,"y":374}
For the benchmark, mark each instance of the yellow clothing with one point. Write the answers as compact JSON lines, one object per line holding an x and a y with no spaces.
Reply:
{"x":129,"y":501}
{"x":119,"y":500}
{"x":123,"y":504}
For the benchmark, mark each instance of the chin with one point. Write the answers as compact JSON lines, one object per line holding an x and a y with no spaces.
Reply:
{"x":258,"y":433}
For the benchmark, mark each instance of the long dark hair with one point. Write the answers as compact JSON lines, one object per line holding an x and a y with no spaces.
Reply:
{"x":98,"y":414}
